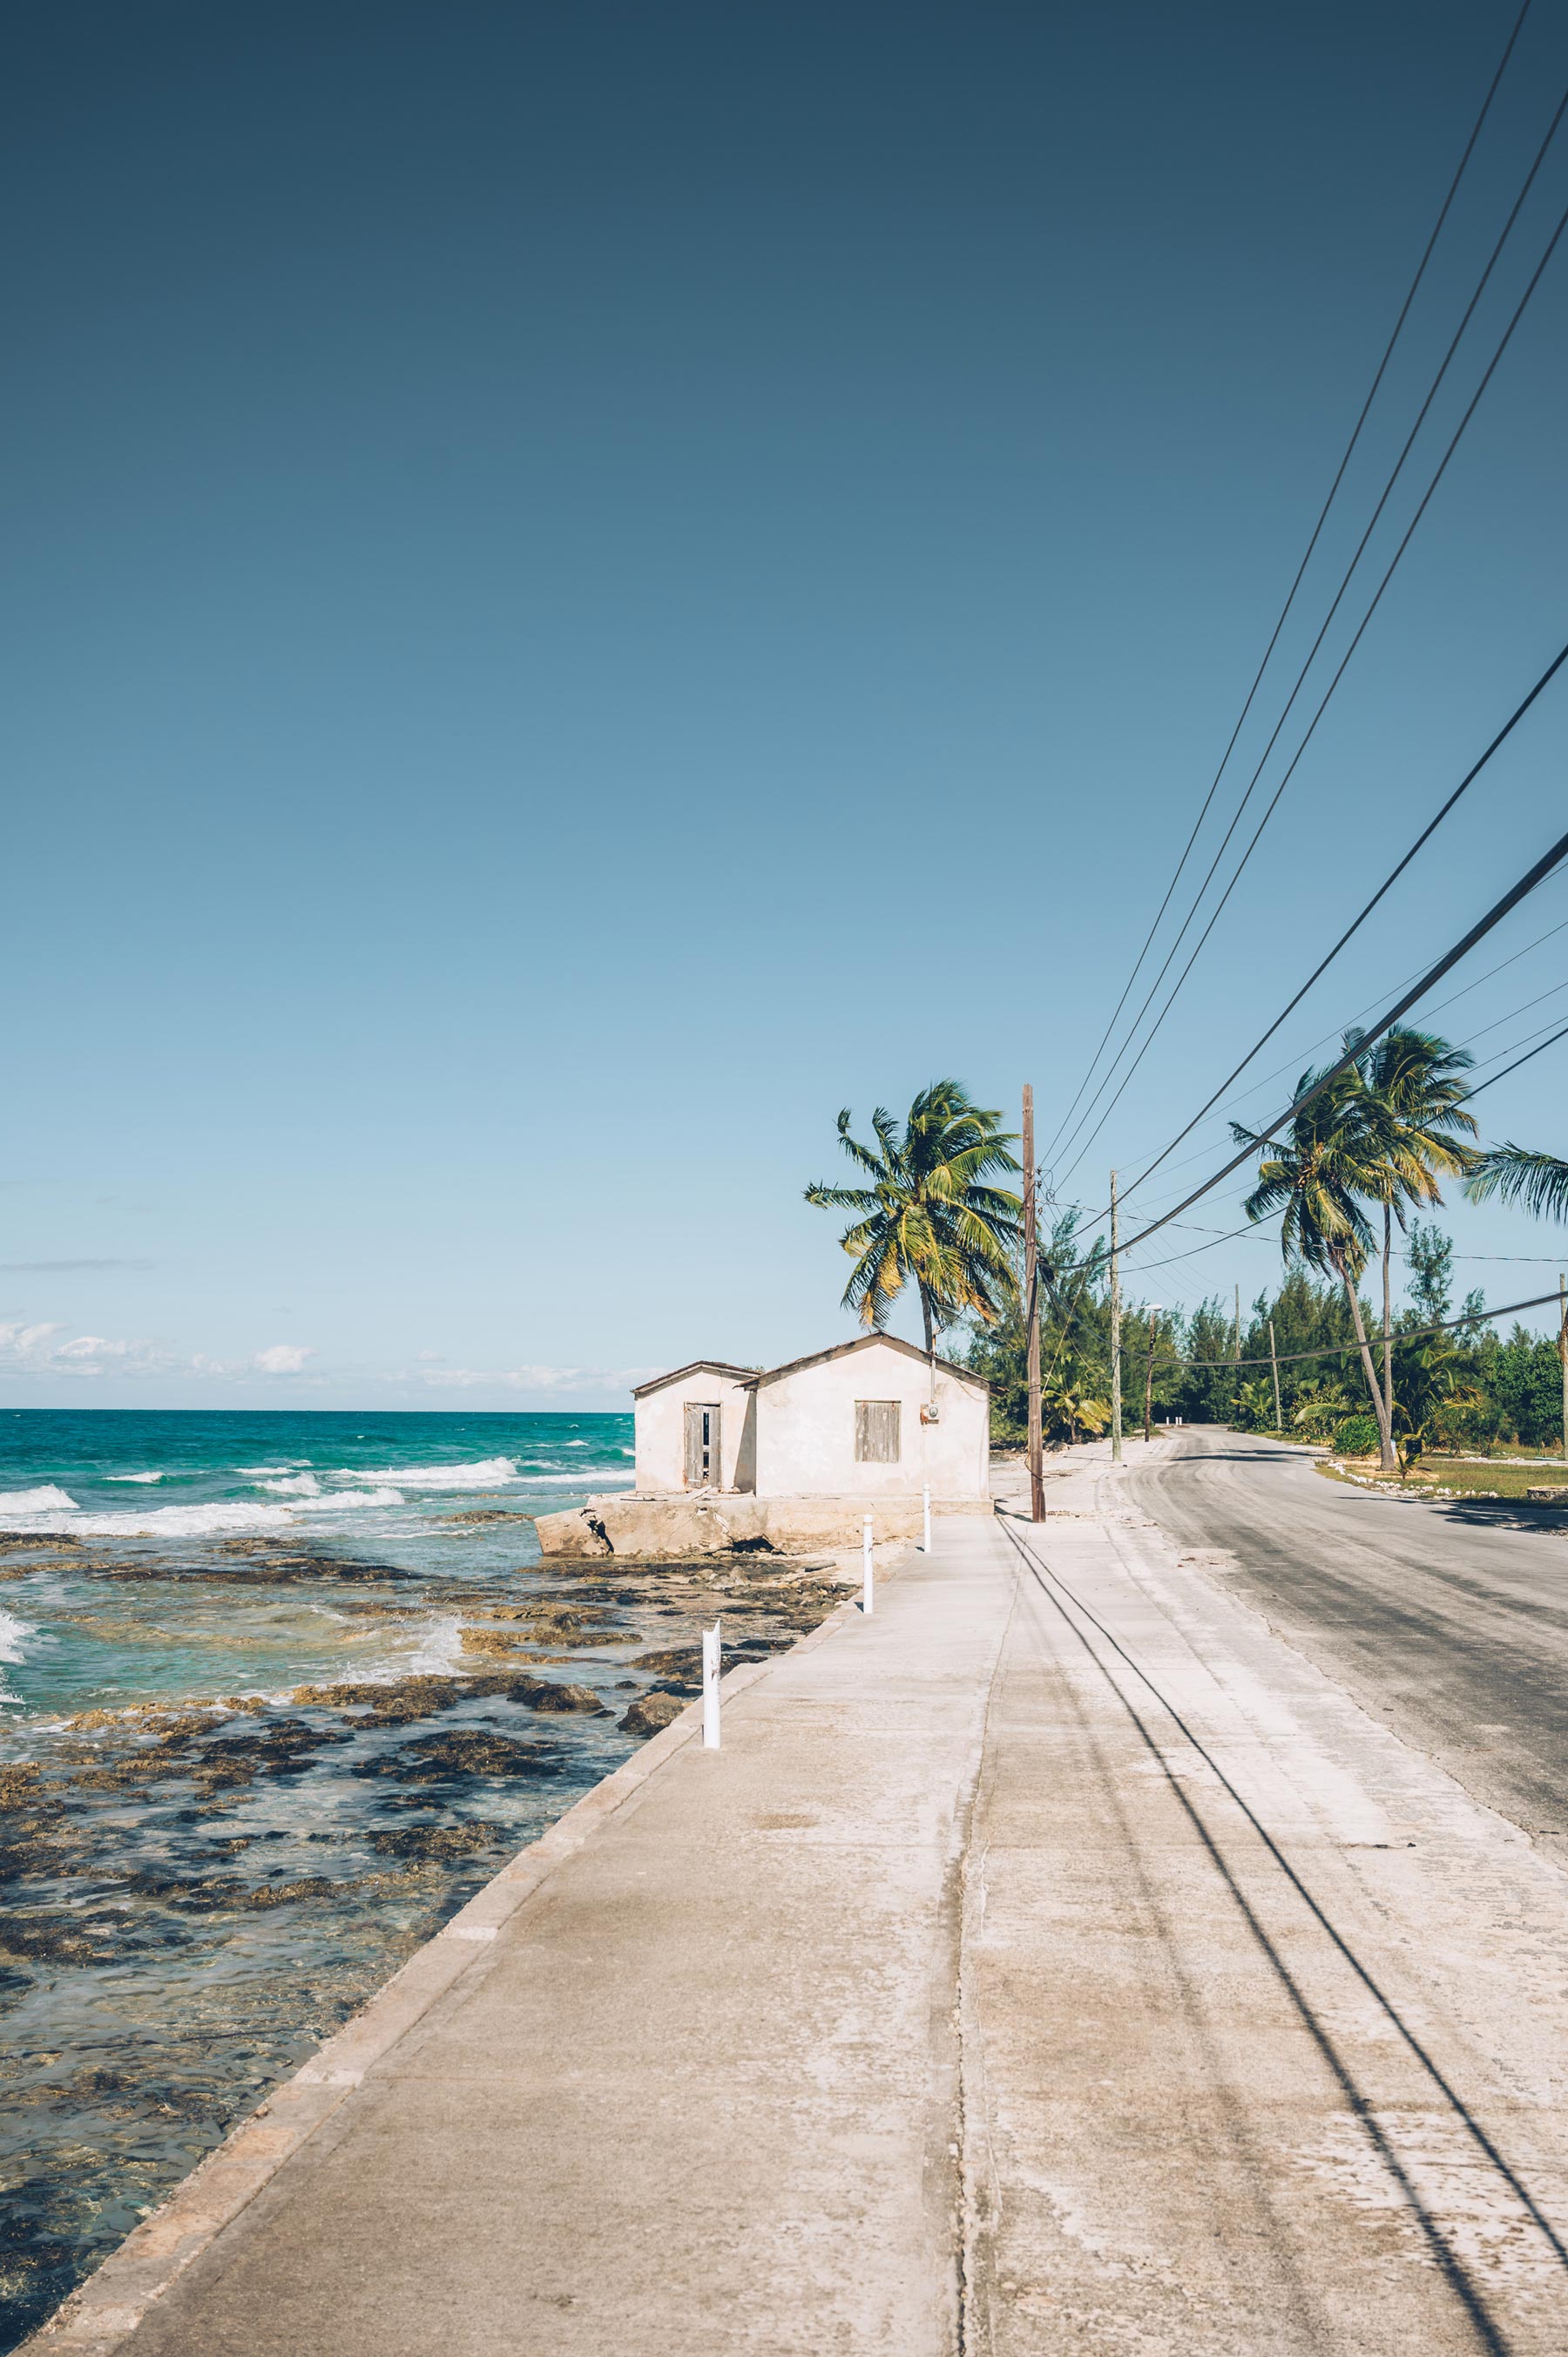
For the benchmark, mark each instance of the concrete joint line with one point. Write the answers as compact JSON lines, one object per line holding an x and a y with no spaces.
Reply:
{"x":102,"y":2314}
{"x":976,"y":2204}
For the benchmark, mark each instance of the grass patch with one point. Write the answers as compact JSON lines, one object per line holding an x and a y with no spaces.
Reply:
{"x":1446,"y":1477}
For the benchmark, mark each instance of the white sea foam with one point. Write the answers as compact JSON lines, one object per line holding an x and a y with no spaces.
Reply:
{"x":335,"y":1500}
{"x":46,"y":1501}
{"x":438,"y":1652}
{"x":605,"y":1476}
{"x":487,"y":1474}
{"x":256,"y":1471}
{"x":201,"y":1522}
{"x":14,"y":1634}
{"x":298,"y":1485}
{"x":132,"y":1477}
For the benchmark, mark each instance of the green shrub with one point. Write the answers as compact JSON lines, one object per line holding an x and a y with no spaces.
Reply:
{"x":1358,"y":1436}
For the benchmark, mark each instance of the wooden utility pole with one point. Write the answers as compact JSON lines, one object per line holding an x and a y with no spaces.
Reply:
{"x":1115,"y":1334}
{"x":1274,"y":1363}
{"x":1032,"y":1315}
{"x":1236,"y":1353}
{"x":1563,"y":1352}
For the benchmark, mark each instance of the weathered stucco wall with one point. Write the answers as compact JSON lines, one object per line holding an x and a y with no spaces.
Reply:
{"x":805,"y":1431}
{"x":661,"y":1431}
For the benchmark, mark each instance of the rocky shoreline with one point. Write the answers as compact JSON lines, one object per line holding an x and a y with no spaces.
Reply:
{"x":198,"y":1888}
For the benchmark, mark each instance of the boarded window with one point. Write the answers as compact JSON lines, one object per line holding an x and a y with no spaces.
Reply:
{"x":876,"y":1432}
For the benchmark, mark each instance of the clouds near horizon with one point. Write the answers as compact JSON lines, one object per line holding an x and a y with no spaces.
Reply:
{"x":42,"y":1349}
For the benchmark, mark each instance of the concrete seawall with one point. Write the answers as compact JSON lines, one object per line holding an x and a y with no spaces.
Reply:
{"x":711,"y":1522}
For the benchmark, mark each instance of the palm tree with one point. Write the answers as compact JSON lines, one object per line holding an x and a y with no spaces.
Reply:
{"x":1539,"y":1181}
{"x":1415,"y":1091}
{"x":1065,"y":1404}
{"x":928,"y":1214}
{"x":1335,"y":1156}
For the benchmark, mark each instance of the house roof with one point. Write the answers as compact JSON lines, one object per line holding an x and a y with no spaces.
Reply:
{"x":753,"y":1378}
{"x":697,"y":1367}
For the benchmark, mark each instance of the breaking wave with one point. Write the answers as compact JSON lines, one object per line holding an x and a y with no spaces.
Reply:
{"x":485,"y":1474}
{"x":133,"y":1477}
{"x":46,"y":1501}
{"x":13,"y":1634}
{"x":200,"y":1522}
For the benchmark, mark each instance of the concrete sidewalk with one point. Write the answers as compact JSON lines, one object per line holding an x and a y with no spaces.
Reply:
{"x":1055,"y":1962}
{"x":698,"y":2093}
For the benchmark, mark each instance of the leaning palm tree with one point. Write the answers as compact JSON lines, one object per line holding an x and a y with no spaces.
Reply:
{"x":1334,"y":1157}
{"x":1539,"y":1181}
{"x":928,"y":1214}
{"x":1415,"y":1088}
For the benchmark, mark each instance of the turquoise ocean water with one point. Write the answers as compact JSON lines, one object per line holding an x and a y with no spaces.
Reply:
{"x":279,"y":1691}
{"x":180,"y":1484}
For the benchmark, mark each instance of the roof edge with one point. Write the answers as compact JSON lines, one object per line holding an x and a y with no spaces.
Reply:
{"x":693,"y":1367}
{"x":756,"y":1377}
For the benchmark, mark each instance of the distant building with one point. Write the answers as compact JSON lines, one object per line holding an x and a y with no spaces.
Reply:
{"x":859,"y":1421}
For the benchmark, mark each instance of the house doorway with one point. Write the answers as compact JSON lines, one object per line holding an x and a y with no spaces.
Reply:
{"x":703,"y":1470}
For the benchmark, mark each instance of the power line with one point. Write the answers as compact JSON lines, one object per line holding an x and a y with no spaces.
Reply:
{"x":1230,"y":1235}
{"x":1294,"y":1063}
{"x":1301,"y":569}
{"x":1343,"y":666}
{"x":1221,"y":1235}
{"x":1422,"y":987}
{"x":1523,"y":1059}
{"x":1425,"y":836}
{"x":1479,"y":931}
{"x":1513,"y":1015}
{"x":1251,"y":1229}
{"x":1407,"y":1334}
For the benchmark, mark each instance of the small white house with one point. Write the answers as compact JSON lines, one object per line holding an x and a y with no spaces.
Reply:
{"x":865,"y":1419}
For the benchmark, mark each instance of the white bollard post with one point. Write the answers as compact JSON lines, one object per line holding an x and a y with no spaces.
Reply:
{"x":866,"y":1602}
{"x":712,"y":1648}
{"x":926,"y":1509}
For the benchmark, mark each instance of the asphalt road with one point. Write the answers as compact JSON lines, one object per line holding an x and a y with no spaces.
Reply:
{"x":1447,"y":1621}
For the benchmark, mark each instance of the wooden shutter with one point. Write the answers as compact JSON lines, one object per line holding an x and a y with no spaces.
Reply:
{"x":704,"y":1464}
{"x":876,"y":1432}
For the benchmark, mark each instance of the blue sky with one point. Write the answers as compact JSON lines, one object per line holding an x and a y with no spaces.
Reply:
{"x":584,"y":587}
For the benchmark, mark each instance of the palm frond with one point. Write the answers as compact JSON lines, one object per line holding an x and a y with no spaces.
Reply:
{"x":1515,"y":1175}
{"x":840,"y":1199}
